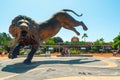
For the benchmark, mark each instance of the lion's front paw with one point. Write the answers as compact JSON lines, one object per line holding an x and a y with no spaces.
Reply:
{"x":27,"y":61}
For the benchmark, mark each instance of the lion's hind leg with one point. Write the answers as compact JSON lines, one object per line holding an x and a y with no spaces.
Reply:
{"x":69,"y":22}
{"x":73,"y":29}
{"x":83,"y":25}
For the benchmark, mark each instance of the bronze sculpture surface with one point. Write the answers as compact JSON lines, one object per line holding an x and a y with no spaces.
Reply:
{"x":27,"y":32}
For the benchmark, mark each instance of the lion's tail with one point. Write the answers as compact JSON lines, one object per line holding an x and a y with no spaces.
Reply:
{"x":71,"y":11}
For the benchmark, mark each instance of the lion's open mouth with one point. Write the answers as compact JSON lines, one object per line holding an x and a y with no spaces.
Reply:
{"x":23,"y":34}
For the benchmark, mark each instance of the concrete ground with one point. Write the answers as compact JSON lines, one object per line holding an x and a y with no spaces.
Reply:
{"x":61,"y":68}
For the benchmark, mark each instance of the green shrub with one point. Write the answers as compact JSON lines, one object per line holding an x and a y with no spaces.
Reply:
{"x":38,"y":52}
{"x":22,"y":52}
{"x":74,"y":51}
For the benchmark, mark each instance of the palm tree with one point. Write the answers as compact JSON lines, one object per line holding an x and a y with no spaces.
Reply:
{"x":84,"y":36}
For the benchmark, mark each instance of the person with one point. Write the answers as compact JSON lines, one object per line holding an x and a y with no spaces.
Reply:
{"x":63,"y":52}
{"x":115,"y":52}
{"x":3,"y":54}
{"x":68,"y":52}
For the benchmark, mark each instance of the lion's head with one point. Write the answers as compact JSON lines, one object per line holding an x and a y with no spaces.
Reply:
{"x":21,"y":28}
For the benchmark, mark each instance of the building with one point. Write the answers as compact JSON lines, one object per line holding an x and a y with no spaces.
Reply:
{"x":74,"y":39}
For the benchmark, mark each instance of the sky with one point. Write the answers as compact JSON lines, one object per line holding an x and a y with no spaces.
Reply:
{"x":102,"y":17}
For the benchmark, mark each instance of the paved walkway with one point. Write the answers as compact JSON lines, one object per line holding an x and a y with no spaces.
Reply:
{"x":61,"y":68}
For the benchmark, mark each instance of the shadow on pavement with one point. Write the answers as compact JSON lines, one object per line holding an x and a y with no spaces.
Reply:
{"x":21,"y":68}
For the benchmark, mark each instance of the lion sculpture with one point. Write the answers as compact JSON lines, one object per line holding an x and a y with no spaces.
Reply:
{"x":27,"y":32}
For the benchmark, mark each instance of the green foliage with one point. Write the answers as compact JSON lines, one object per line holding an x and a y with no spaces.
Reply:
{"x":99,"y":41}
{"x":74,"y":42}
{"x":116,"y":43}
{"x":22,"y":51}
{"x":2,"y":49}
{"x":12,"y":43}
{"x":50,"y":41}
{"x":74,"y":51}
{"x":53,"y":40}
{"x":95,"y":49}
{"x":57,"y":39}
{"x":4,"y":39}
{"x":67,"y":42}
{"x":84,"y":36}
{"x":38,"y":52}
{"x":97,"y":44}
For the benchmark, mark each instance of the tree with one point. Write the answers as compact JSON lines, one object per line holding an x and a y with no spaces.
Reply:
{"x":84,"y":36}
{"x":99,"y":41}
{"x":53,"y":40}
{"x":50,"y":41}
{"x":116,"y":42}
{"x":58,"y":39}
{"x":97,"y":44}
{"x":4,"y":39}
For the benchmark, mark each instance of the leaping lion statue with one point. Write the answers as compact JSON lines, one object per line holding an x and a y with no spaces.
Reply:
{"x":27,"y":32}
